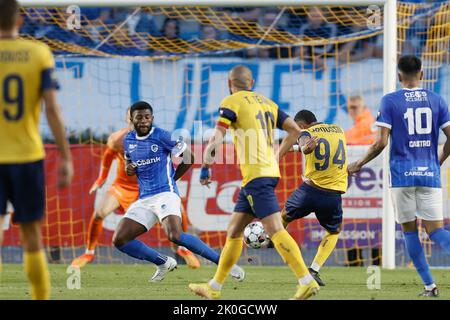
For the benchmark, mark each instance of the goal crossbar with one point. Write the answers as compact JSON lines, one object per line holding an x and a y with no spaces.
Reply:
{"x":210,"y":3}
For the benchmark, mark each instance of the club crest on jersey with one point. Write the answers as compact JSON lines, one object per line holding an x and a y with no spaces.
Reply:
{"x":154,"y":148}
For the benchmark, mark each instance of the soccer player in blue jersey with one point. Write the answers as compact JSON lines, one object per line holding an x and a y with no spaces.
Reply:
{"x":148,"y":152}
{"x":412,"y":117}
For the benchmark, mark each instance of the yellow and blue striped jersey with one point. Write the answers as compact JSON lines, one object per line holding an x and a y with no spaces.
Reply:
{"x":326,"y":166}
{"x":252,"y":119}
{"x":26,"y":71}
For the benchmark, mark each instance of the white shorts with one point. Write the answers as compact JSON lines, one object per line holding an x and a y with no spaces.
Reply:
{"x":150,"y":210}
{"x":422,"y":202}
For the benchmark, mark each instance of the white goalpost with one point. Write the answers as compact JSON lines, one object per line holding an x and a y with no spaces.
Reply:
{"x":389,"y":68}
{"x":389,"y":85}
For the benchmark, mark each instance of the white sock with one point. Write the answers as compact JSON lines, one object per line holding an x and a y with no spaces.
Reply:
{"x":215,"y":285}
{"x":315,"y":267}
{"x":430,"y":287}
{"x":306,"y":279}
{"x":89,"y":251}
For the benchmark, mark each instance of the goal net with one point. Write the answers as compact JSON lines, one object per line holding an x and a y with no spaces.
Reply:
{"x":324,"y":59}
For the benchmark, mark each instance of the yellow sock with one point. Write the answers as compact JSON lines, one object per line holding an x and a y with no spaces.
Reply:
{"x":290,"y":252}
{"x":228,"y":258}
{"x":325,"y":248}
{"x":35,"y":266}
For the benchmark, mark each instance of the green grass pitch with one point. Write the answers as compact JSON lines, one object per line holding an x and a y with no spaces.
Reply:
{"x":265,"y":283}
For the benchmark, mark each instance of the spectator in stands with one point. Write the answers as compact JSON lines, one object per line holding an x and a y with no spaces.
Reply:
{"x":208,"y":32}
{"x":359,"y":49}
{"x":99,"y":25}
{"x":416,"y":34}
{"x":42,"y":26}
{"x":361,"y":133}
{"x":170,"y":29}
{"x":246,"y":13}
{"x":141,"y":22}
{"x":316,"y":27}
{"x":266,"y":21}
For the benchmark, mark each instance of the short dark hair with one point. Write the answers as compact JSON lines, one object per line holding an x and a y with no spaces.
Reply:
{"x":409,"y":65}
{"x":9,"y":11}
{"x":306,"y":116}
{"x":166,"y":22}
{"x":140,"y":105}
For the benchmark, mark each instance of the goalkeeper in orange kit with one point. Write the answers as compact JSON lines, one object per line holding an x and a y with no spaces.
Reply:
{"x":123,"y":192}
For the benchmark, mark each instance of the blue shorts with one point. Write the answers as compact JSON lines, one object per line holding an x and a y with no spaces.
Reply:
{"x":24,"y":186}
{"x":325,"y":204}
{"x":258,"y":198}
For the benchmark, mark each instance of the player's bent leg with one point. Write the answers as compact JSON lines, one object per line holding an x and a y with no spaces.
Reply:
{"x":416,"y":253}
{"x":108,"y":204}
{"x":228,"y":258}
{"x":232,"y":250}
{"x":190,"y":258}
{"x":325,"y":249}
{"x":34,"y":260}
{"x":172,"y":226}
{"x":285,"y":219}
{"x":431,"y":212}
{"x":329,"y":214}
{"x":438,"y":234}
{"x":124,"y":239}
{"x":406,"y":203}
{"x":290,"y":252}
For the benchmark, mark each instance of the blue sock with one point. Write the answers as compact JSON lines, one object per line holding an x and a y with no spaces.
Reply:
{"x":417,"y":256}
{"x":442,"y":238}
{"x":197,"y":246}
{"x":141,"y":251}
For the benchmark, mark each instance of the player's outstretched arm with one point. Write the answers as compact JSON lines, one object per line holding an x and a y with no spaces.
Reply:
{"x":107,"y":159}
{"x":183,"y":167}
{"x":56,"y":123}
{"x":374,"y":150}
{"x":446,"y":150}
{"x":294,"y":132}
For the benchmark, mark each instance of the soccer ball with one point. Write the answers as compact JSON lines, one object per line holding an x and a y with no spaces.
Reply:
{"x":254,"y":235}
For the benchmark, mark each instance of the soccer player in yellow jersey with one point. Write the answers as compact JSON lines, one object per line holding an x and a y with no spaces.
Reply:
{"x":324,"y":180}
{"x":252,"y":119}
{"x":26,"y":78}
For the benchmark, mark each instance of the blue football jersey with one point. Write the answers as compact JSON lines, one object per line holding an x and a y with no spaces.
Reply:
{"x":151,"y":155}
{"x":414,"y":117}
